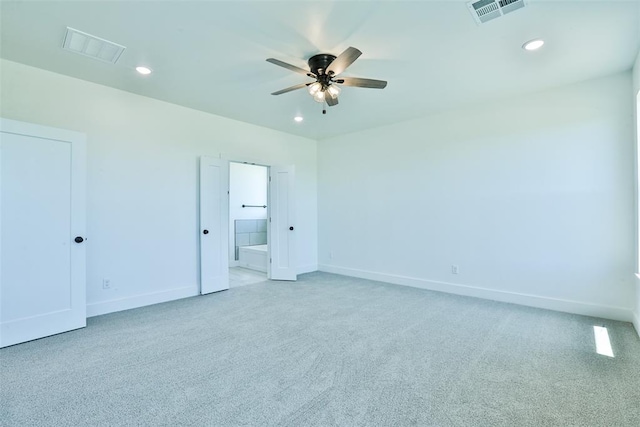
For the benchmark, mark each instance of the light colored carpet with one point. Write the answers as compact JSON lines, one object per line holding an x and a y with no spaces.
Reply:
{"x":327,"y":350}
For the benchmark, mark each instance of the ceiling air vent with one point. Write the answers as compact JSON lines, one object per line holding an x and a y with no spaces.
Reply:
{"x":486,"y":10}
{"x":94,"y":47}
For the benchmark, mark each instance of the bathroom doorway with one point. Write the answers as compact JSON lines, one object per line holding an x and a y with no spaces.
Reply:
{"x":248,"y":223}
{"x":216,"y":243}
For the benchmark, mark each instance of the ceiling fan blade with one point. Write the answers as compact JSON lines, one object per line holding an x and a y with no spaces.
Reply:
{"x":358,"y":82}
{"x":343,"y":60}
{"x":289,"y":89}
{"x":331,"y":101}
{"x":291,"y":67}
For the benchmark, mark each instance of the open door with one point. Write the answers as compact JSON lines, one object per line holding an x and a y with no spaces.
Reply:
{"x":214,"y":223}
{"x":282,"y":242}
{"x":42,"y":224}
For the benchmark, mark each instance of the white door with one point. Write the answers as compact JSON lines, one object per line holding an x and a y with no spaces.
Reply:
{"x":282,"y":242}
{"x":214,"y":223}
{"x":42,"y":228}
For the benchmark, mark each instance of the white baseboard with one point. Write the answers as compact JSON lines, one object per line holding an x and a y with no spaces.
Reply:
{"x":111,"y":306}
{"x":309,"y":268}
{"x":567,"y":306}
{"x":636,"y":322}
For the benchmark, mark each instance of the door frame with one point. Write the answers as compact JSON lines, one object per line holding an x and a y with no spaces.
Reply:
{"x":269,"y":166}
{"x":254,"y":162}
{"x":233,"y":262}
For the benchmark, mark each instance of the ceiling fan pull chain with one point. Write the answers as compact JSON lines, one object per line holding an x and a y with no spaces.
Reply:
{"x":324,"y":107}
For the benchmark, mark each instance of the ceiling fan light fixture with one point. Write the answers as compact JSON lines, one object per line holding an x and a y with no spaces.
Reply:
{"x":319,"y":96}
{"x":323,"y":67}
{"x":314,"y":88}
{"x":333,"y":91}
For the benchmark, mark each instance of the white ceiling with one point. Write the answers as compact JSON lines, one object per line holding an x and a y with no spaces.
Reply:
{"x":211,"y":55}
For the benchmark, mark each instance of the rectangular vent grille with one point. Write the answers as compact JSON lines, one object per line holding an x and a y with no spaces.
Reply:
{"x":486,"y":10}
{"x":94,"y":47}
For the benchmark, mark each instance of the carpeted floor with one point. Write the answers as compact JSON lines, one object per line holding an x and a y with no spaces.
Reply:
{"x":327,"y":350}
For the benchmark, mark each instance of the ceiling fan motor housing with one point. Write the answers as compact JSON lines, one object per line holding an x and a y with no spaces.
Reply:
{"x":318,"y":64}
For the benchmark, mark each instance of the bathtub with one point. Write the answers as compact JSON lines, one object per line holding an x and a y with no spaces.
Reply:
{"x":253,"y":257}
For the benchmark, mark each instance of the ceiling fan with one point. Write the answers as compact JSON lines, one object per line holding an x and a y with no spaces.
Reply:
{"x":325,"y":68}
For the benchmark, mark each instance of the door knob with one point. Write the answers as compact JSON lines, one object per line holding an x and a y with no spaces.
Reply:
{"x":78,"y":239}
{"x":205,"y":232}
{"x":291,"y":228}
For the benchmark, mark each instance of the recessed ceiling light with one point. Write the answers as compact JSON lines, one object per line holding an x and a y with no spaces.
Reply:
{"x":143,"y":70}
{"x":298,"y":118}
{"x":533,"y":44}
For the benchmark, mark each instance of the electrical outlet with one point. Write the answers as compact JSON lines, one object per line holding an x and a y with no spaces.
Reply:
{"x":454,"y":269}
{"x":106,"y":283}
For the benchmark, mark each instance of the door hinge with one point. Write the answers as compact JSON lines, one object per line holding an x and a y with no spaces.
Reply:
{"x":269,"y":219}
{"x":269,"y":178}
{"x":270,"y":261}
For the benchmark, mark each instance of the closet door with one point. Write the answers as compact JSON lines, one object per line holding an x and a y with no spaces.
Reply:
{"x":42,"y":228}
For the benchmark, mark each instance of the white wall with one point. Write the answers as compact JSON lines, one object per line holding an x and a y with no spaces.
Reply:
{"x":532,"y":198}
{"x":636,"y":74}
{"x":636,"y":95}
{"x":142,"y":179}
{"x":247,"y":186}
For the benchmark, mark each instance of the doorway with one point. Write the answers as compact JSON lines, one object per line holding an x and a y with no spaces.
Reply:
{"x":214,"y":218}
{"x":248,"y":220}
